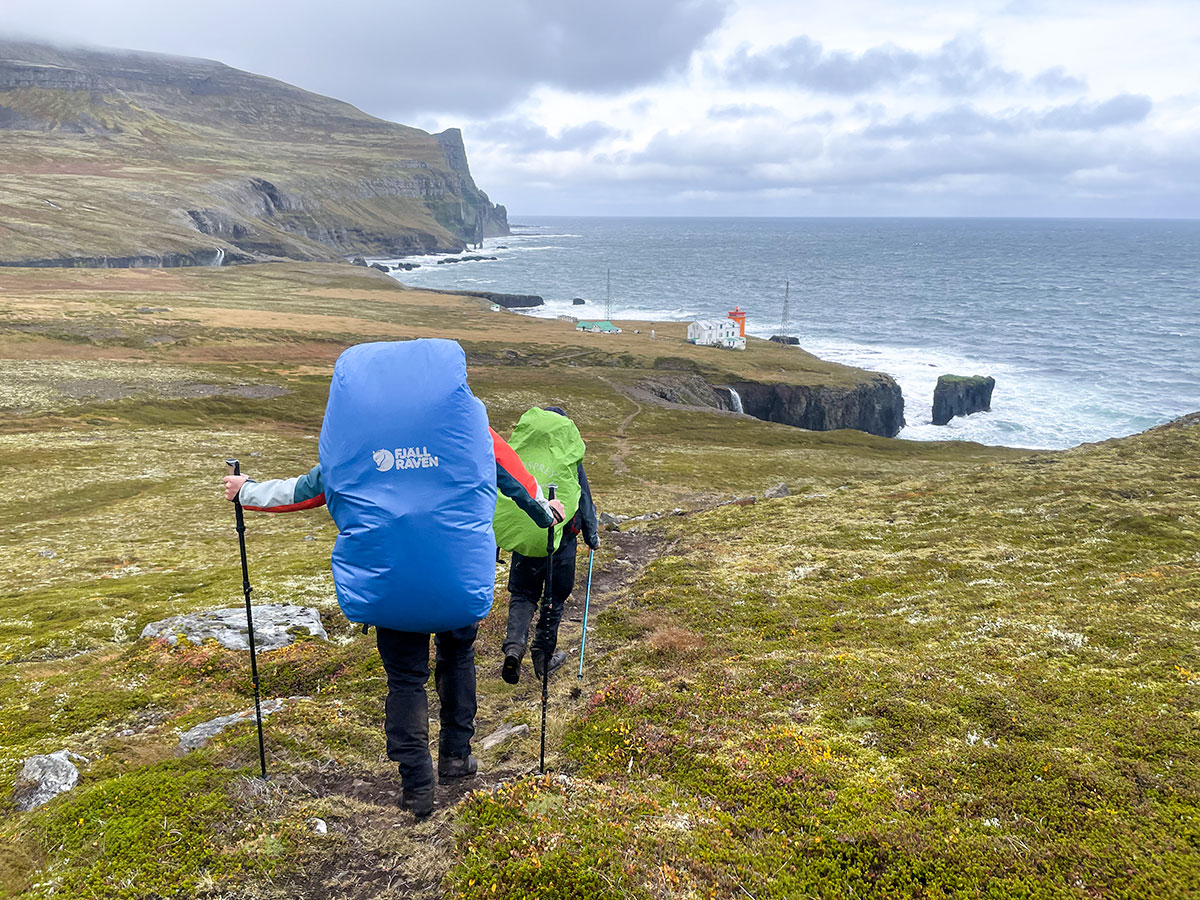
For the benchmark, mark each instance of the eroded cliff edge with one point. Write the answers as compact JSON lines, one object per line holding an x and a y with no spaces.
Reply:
{"x":875,"y":405}
{"x":868,"y":401}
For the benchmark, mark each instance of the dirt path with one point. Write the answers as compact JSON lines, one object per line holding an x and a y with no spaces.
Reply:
{"x":385,"y":854}
{"x":622,"y":452}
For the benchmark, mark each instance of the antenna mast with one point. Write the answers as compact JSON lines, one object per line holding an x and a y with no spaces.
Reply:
{"x":608,"y":297}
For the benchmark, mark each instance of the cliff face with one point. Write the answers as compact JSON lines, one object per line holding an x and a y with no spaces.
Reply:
{"x":875,"y":405}
{"x":132,"y":156}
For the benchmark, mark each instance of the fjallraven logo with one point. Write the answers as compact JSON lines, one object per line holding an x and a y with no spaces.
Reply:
{"x":384,"y":460}
{"x":404,"y":458}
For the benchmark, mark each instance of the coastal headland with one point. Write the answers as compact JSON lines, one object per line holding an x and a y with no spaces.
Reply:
{"x":119,"y":159}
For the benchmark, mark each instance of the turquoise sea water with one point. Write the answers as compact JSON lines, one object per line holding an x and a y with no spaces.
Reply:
{"x":1090,"y":327}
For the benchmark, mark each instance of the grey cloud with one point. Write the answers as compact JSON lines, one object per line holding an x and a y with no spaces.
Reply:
{"x":474,"y":57}
{"x":965,"y":121}
{"x":805,"y":62}
{"x":705,"y":171}
{"x":1124,"y":109}
{"x":737,"y":151}
{"x":523,"y":136}
{"x":736,"y":111}
{"x":961,"y":66}
{"x":1058,"y":81}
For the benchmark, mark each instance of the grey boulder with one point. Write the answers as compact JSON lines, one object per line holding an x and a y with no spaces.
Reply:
{"x":43,"y":778}
{"x":197,"y":737}
{"x":274,"y":626}
{"x":507,"y":733}
{"x":774,"y":493}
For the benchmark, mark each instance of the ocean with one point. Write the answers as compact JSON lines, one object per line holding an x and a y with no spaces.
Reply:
{"x":1091,"y":328}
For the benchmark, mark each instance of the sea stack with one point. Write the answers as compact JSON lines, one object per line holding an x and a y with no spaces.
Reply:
{"x":961,"y":395}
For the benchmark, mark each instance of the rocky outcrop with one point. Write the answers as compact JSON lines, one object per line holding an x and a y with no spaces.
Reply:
{"x":42,"y":778}
{"x":874,"y":405}
{"x":275,"y":626}
{"x":503,"y":735}
{"x":685,"y":390}
{"x":961,"y":395}
{"x":508,"y":301}
{"x":163,"y":261}
{"x":199,"y":735}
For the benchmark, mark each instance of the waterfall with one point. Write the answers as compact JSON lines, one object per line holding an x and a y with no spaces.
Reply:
{"x":220,"y":258}
{"x":735,"y":399}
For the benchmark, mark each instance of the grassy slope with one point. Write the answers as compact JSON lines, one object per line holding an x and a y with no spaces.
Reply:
{"x":122,"y":185}
{"x":936,"y":670}
{"x":975,"y":685}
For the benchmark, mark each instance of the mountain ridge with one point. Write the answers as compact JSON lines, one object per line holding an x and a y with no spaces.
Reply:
{"x":127,"y":159}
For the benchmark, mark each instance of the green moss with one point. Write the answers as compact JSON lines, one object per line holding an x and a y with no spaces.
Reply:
{"x":161,"y":831}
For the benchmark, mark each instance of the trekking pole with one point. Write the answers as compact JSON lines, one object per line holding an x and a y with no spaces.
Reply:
{"x":236,"y":469}
{"x":587,"y":599}
{"x":547,"y":599}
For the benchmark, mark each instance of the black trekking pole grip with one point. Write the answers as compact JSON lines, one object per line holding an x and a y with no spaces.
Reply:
{"x":236,"y":469}
{"x":547,"y":599}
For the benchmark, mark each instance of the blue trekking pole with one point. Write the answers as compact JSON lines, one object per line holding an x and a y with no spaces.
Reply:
{"x":587,"y":599}
{"x":547,"y":599}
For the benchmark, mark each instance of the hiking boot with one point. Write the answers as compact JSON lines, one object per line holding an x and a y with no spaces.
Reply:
{"x":511,"y":672}
{"x":556,"y":661}
{"x":419,"y":802}
{"x":453,"y":768}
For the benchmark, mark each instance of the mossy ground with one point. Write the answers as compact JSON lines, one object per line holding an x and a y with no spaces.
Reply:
{"x":933,"y":671}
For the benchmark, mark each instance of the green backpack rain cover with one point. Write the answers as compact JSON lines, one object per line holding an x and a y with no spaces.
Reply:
{"x":550,"y":447}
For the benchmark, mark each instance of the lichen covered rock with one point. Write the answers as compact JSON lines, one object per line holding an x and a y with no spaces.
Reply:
{"x":275,"y":626}
{"x":43,"y":778}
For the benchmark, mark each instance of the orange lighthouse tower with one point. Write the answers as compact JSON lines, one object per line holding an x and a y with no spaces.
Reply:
{"x":740,"y":317}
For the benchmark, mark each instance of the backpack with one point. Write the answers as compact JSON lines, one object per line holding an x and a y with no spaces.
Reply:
{"x":551,"y":449}
{"x":410,"y":480}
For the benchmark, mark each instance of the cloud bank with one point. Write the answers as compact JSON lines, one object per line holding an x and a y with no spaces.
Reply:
{"x":738,"y":107}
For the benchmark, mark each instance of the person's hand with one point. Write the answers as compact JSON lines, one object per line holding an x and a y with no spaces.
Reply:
{"x":233,"y":484}
{"x":594,"y":544}
{"x":560,"y":511}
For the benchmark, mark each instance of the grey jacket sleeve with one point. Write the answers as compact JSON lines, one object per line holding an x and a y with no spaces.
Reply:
{"x":285,"y":494}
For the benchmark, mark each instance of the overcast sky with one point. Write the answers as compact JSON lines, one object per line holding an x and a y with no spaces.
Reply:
{"x":737,"y":107}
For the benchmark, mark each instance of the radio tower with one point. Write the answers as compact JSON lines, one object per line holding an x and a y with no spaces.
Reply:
{"x":785,"y":322}
{"x":608,"y":298}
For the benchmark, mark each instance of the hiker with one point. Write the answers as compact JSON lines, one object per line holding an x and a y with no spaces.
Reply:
{"x":410,"y":469}
{"x":546,"y":443}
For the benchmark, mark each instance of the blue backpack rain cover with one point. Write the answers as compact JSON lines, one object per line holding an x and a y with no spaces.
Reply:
{"x":410,"y":480}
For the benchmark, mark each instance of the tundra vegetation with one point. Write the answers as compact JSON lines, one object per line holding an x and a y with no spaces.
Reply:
{"x":934,"y":670}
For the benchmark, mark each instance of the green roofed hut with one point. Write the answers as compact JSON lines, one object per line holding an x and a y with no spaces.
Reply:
{"x":600,"y":327}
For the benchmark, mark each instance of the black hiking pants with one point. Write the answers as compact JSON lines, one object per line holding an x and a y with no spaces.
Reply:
{"x":526,"y":585}
{"x":405,"y":656}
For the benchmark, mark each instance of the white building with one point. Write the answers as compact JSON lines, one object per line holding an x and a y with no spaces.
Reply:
{"x":716,"y":333}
